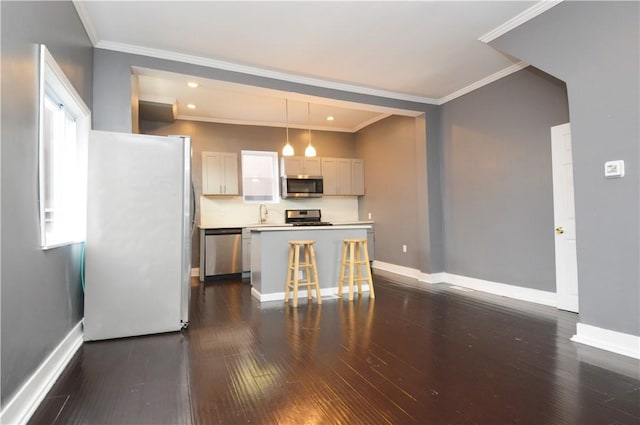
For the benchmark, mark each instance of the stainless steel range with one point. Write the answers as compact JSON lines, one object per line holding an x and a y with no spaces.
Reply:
{"x":305,"y":218}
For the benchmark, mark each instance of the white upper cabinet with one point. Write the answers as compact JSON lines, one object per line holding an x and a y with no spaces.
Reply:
{"x":343,"y":176}
{"x":300,"y":166}
{"x":219,"y":173}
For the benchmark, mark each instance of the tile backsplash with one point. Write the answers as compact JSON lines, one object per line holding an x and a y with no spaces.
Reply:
{"x":217,"y":211}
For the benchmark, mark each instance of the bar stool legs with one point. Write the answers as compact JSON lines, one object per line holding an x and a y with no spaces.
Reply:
{"x":310,"y":268}
{"x":355,"y":259}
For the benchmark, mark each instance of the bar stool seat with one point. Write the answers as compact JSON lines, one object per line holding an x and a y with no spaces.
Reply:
{"x":308,"y":265}
{"x":355,"y":259}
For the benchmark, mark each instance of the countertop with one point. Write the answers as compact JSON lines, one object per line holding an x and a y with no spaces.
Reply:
{"x":289,"y":227}
{"x":280,"y":226}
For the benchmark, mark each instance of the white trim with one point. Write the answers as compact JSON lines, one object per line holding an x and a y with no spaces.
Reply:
{"x":268,"y":124}
{"x":517,"y":292}
{"x":279,"y":296}
{"x":433,"y":277}
{"x":26,"y":400}
{"x":195,"y":272}
{"x":369,"y":122}
{"x":250,"y":70}
{"x":519,"y":19}
{"x":395,"y":269}
{"x":605,"y":339}
{"x":480,"y":83}
{"x":85,"y":18}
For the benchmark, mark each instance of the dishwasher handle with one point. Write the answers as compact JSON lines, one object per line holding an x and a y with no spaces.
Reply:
{"x":224,"y":231}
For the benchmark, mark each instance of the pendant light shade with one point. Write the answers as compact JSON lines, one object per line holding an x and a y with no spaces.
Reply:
{"x":310,"y":150}
{"x":287,"y":150}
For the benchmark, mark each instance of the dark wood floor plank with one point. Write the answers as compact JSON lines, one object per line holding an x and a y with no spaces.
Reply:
{"x":426,"y":355}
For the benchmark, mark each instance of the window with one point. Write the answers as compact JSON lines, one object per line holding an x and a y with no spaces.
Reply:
{"x":63,"y":135}
{"x":260,"y":176}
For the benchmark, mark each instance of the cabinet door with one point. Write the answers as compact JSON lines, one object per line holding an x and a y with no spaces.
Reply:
{"x":312,"y":167}
{"x":344,"y":176}
{"x":211,"y":175}
{"x":330,"y":176}
{"x":292,"y":166}
{"x":229,"y":163}
{"x":357,"y":176}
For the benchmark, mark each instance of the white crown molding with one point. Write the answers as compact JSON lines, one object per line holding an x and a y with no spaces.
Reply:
{"x":261,"y":123}
{"x":605,"y":339}
{"x":369,"y":122}
{"x":260,"y":72}
{"x":158,"y":99}
{"x":485,"y":81}
{"x":85,"y":18}
{"x":519,"y":19}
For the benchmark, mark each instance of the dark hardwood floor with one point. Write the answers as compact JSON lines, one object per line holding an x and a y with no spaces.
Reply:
{"x":437,"y":355}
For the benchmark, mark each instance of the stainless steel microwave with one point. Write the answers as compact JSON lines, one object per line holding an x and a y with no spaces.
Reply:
{"x":301,"y":186}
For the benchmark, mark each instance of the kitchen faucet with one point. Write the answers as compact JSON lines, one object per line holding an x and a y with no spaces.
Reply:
{"x":263,"y":217}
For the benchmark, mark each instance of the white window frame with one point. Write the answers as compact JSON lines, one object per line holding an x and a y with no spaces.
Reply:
{"x":71,"y":212}
{"x":275,"y":186}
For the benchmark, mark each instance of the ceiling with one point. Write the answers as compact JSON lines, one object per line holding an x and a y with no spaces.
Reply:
{"x":423,"y":51}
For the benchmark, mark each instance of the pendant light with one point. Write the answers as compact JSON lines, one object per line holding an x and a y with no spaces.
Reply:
{"x":310,"y":150}
{"x":287,"y":150}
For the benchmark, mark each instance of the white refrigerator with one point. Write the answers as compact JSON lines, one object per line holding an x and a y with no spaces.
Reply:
{"x":139,"y":227}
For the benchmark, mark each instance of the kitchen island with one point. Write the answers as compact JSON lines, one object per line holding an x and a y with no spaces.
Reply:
{"x":270,"y":256}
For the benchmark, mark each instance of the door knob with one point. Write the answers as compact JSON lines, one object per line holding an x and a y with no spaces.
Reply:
{"x":559,"y":230}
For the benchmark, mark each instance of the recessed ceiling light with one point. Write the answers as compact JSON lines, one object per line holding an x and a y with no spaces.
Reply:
{"x":191,"y":106}
{"x":192,"y":84}
{"x":330,"y":118}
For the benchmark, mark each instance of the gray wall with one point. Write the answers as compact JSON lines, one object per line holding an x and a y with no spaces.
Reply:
{"x":213,"y":137}
{"x":595,"y":48}
{"x":388,"y":148}
{"x":113,"y":110}
{"x":496,"y":182}
{"x":41,"y":290}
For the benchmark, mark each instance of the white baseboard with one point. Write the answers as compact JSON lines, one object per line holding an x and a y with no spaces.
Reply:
{"x":395,"y":269}
{"x":27,"y":399}
{"x":511,"y":291}
{"x":408,"y":272}
{"x":279,"y":296}
{"x":502,"y":289}
{"x":433,"y":277}
{"x":195,"y":272}
{"x":605,"y":339}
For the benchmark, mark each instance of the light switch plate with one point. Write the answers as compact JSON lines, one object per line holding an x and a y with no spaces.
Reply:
{"x":614,"y":169}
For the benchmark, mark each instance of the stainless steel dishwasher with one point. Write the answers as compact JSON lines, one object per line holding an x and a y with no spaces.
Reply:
{"x":223,"y":253}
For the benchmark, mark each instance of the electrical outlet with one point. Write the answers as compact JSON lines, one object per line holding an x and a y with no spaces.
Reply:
{"x":404,"y":248}
{"x":614,"y":169}
{"x":369,"y":216}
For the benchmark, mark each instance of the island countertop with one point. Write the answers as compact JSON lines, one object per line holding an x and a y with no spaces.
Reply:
{"x":290,"y":227}
{"x":209,"y":225}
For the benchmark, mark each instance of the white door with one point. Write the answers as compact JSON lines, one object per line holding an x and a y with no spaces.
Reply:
{"x":564,"y":218}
